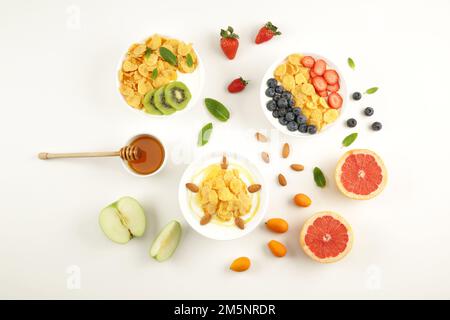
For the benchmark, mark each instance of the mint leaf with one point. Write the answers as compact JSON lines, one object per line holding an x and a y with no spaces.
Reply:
{"x":154,"y":73}
{"x":205,"y":134}
{"x":319,"y":178}
{"x":189,"y":60}
{"x":348,"y":140}
{"x":372,"y":90}
{"x":351,"y":63}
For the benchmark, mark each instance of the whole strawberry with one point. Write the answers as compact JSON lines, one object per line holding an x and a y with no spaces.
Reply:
{"x":266,"y":33}
{"x":229,"y":42}
{"x":237,"y":85}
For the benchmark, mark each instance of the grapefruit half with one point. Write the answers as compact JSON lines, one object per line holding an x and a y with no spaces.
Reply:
{"x":360,"y":174}
{"x":326,"y":237}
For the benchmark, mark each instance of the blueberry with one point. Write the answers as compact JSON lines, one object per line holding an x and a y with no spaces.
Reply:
{"x":282,"y":112}
{"x":356,"y":96}
{"x":283,"y":121}
{"x":351,"y":123}
{"x":368,"y":111}
{"x":376,"y":126}
{"x":287,"y":95}
{"x":290,"y":117}
{"x":303,"y":128}
{"x":271,"y":105}
{"x":272,"y":83}
{"x":291,"y":103}
{"x":282,"y":103}
{"x":312,"y":129}
{"x":270,"y":92}
{"x":276,"y":97}
{"x":292,"y":126}
{"x":301,"y":119}
{"x":279,"y":89}
{"x":296,"y":111}
{"x":275,"y":114}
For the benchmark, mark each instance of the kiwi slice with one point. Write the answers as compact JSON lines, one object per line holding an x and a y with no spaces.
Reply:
{"x":149,"y":103}
{"x":160,"y":102}
{"x":177,"y":95}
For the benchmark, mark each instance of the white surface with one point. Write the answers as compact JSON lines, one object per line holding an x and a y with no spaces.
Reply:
{"x":264,"y":99}
{"x":58,"y":94}
{"x":217,"y":230}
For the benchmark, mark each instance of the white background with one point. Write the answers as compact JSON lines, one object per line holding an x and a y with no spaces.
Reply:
{"x":58,"y":94}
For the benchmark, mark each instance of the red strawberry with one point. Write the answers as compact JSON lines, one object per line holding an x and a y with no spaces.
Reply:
{"x":334,"y":100}
{"x":319,"y":67}
{"x":331,"y":76}
{"x":323,"y":93}
{"x":229,"y":42}
{"x":266,"y":33}
{"x":308,"y":61}
{"x":319,"y":83}
{"x":312,"y":74}
{"x":333,"y":87}
{"x":237,"y":85}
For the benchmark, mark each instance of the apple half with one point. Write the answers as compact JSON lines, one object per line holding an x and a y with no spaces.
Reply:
{"x":123,"y":220}
{"x":166,"y":242}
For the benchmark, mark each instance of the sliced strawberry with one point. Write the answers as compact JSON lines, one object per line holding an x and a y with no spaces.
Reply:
{"x":323,"y":93}
{"x":319,"y":83}
{"x":333,"y":88}
{"x":312,"y":74}
{"x":307,"y":61}
{"x":319,"y":67}
{"x":335,"y":100}
{"x":331,"y":76}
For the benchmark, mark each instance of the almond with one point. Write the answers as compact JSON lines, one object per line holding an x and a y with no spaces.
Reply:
{"x":265,"y":157}
{"x":260,"y":137}
{"x":254,"y":188}
{"x":205,"y":219}
{"x":239,"y":223}
{"x":282,"y":180}
{"x":285,"y":151}
{"x":297,"y":167}
{"x":192,"y":187}
{"x":224,"y":164}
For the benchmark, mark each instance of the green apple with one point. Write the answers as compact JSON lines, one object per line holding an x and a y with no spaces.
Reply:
{"x":166,"y":242}
{"x":123,"y":220}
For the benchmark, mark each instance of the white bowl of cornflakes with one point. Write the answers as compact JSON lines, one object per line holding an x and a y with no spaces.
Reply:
{"x":217,"y":202}
{"x":160,"y":82}
{"x":299,"y":101}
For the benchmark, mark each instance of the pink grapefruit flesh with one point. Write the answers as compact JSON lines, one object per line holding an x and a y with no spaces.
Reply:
{"x":360,"y":174}
{"x":326,"y":237}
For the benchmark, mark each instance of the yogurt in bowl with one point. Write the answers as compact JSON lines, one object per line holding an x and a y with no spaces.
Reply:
{"x":224,"y":195}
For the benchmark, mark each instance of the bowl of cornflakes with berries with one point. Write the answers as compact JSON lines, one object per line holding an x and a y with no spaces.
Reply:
{"x":303,"y":94}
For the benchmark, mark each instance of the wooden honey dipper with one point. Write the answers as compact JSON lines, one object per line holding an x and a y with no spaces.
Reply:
{"x":128,"y":153}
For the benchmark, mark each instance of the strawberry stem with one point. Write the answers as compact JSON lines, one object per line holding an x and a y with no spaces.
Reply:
{"x":229,"y":33}
{"x":272,"y":28}
{"x":245,"y":82}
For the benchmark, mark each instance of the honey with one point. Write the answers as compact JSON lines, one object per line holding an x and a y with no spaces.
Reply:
{"x":151,"y":156}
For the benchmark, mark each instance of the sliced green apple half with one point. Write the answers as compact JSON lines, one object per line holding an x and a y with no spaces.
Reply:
{"x":123,"y":220}
{"x":166,"y":242}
